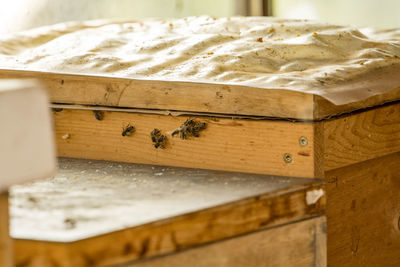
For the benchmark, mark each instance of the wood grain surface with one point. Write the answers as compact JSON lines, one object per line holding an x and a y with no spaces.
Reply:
{"x":296,"y":244}
{"x":6,"y":245}
{"x":363,"y":136}
{"x":167,"y":95}
{"x":226,"y":144}
{"x":323,"y":109}
{"x":195,"y":97}
{"x":363,"y":213}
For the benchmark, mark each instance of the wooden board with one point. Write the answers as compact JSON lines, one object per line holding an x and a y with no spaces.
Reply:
{"x":245,"y":145}
{"x":362,"y":136}
{"x":226,"y":144}
{"x":108,"y":213}
{"x":6,"y":245}
{"x":363,"y":213}
{"x":194,"y":97}
{"x":323,"y":109}
{"x":182,"y":96}
{"x":296,"y":244}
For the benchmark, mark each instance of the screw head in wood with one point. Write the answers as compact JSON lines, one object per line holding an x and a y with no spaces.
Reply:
{"x":303,"y":141}
{"x":287,"y":158}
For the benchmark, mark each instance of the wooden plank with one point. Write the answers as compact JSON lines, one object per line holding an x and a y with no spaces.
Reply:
{"x":226,"y":144}
{"x":194,"y":97}
{"x":182,"y":96}
{"x":203,"y":207}
{"x":297,"y":244}
{"x":319,"y":150}
{"x":363,"y":210}
{"x":321,"y":256}
{"x":325,"y":109}
{"x":6,"y":245}
{"x":361,"y":136}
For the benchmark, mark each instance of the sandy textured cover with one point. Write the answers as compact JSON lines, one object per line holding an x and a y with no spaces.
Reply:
{"x":340,"y":63}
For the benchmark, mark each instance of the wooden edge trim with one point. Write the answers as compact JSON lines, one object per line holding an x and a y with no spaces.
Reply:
{"x":168,"y":95}
{"x":6,"y":248}
{"x":299,"y":242}
{"x":324,"y":109}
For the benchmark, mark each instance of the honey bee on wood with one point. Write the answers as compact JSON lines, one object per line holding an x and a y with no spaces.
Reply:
{"x":69,"y":223}
{"x":98,"y":114}
{"x":128,"y":130}
{"x":190,"y":127}
{"x":159,"y":140}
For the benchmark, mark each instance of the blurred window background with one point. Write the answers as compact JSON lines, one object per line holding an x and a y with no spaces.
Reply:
{"x":362,"y":13}
{"x":24,"y":14}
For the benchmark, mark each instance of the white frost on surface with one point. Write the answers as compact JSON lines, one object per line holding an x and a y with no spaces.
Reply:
{"x":87,"y":198}
{"x":313,"y":196}
{"x":340,"y":63}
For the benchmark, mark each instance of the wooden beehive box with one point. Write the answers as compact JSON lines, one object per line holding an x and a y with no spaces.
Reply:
{"x":355,"y":147}
{"x":104,"y":113}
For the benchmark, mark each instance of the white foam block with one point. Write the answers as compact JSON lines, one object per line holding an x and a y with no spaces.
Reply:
{"x":27,"y":149}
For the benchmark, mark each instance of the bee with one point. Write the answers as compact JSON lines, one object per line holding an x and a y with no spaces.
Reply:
{"x":199,"y":126}
{"x":98,"y":114}
{"x":190,"y":127}
{"x":70,"y":223}
{"x":181,"y":131}
{"x":158,"y":139}
{"x":128,"y":130}
{"x":176,"y":132}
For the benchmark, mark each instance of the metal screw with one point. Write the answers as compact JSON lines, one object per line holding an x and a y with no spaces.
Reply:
{"x":303,"y":141}
{"x":287,"y":158}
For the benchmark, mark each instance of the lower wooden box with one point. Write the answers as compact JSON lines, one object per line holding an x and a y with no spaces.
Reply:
{"x":103,"y":213}
{"x":363,"y":213}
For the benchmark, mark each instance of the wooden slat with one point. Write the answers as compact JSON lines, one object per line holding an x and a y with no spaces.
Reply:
{"x":109,"y":186}
{"x":325,"y":109}
{"x":194,"y":97}
{"x":319,"y":146}
{"x":6,"y":248}
{"x":363,"y":213}
{"x":183,"y":96}
{"x":297,"y":244}
{"x":361,"y":136}
{"x":234,"y":145}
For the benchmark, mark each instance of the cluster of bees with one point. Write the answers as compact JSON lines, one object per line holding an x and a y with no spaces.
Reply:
{"x":158,"y":139}
{"x":190,"y":127}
